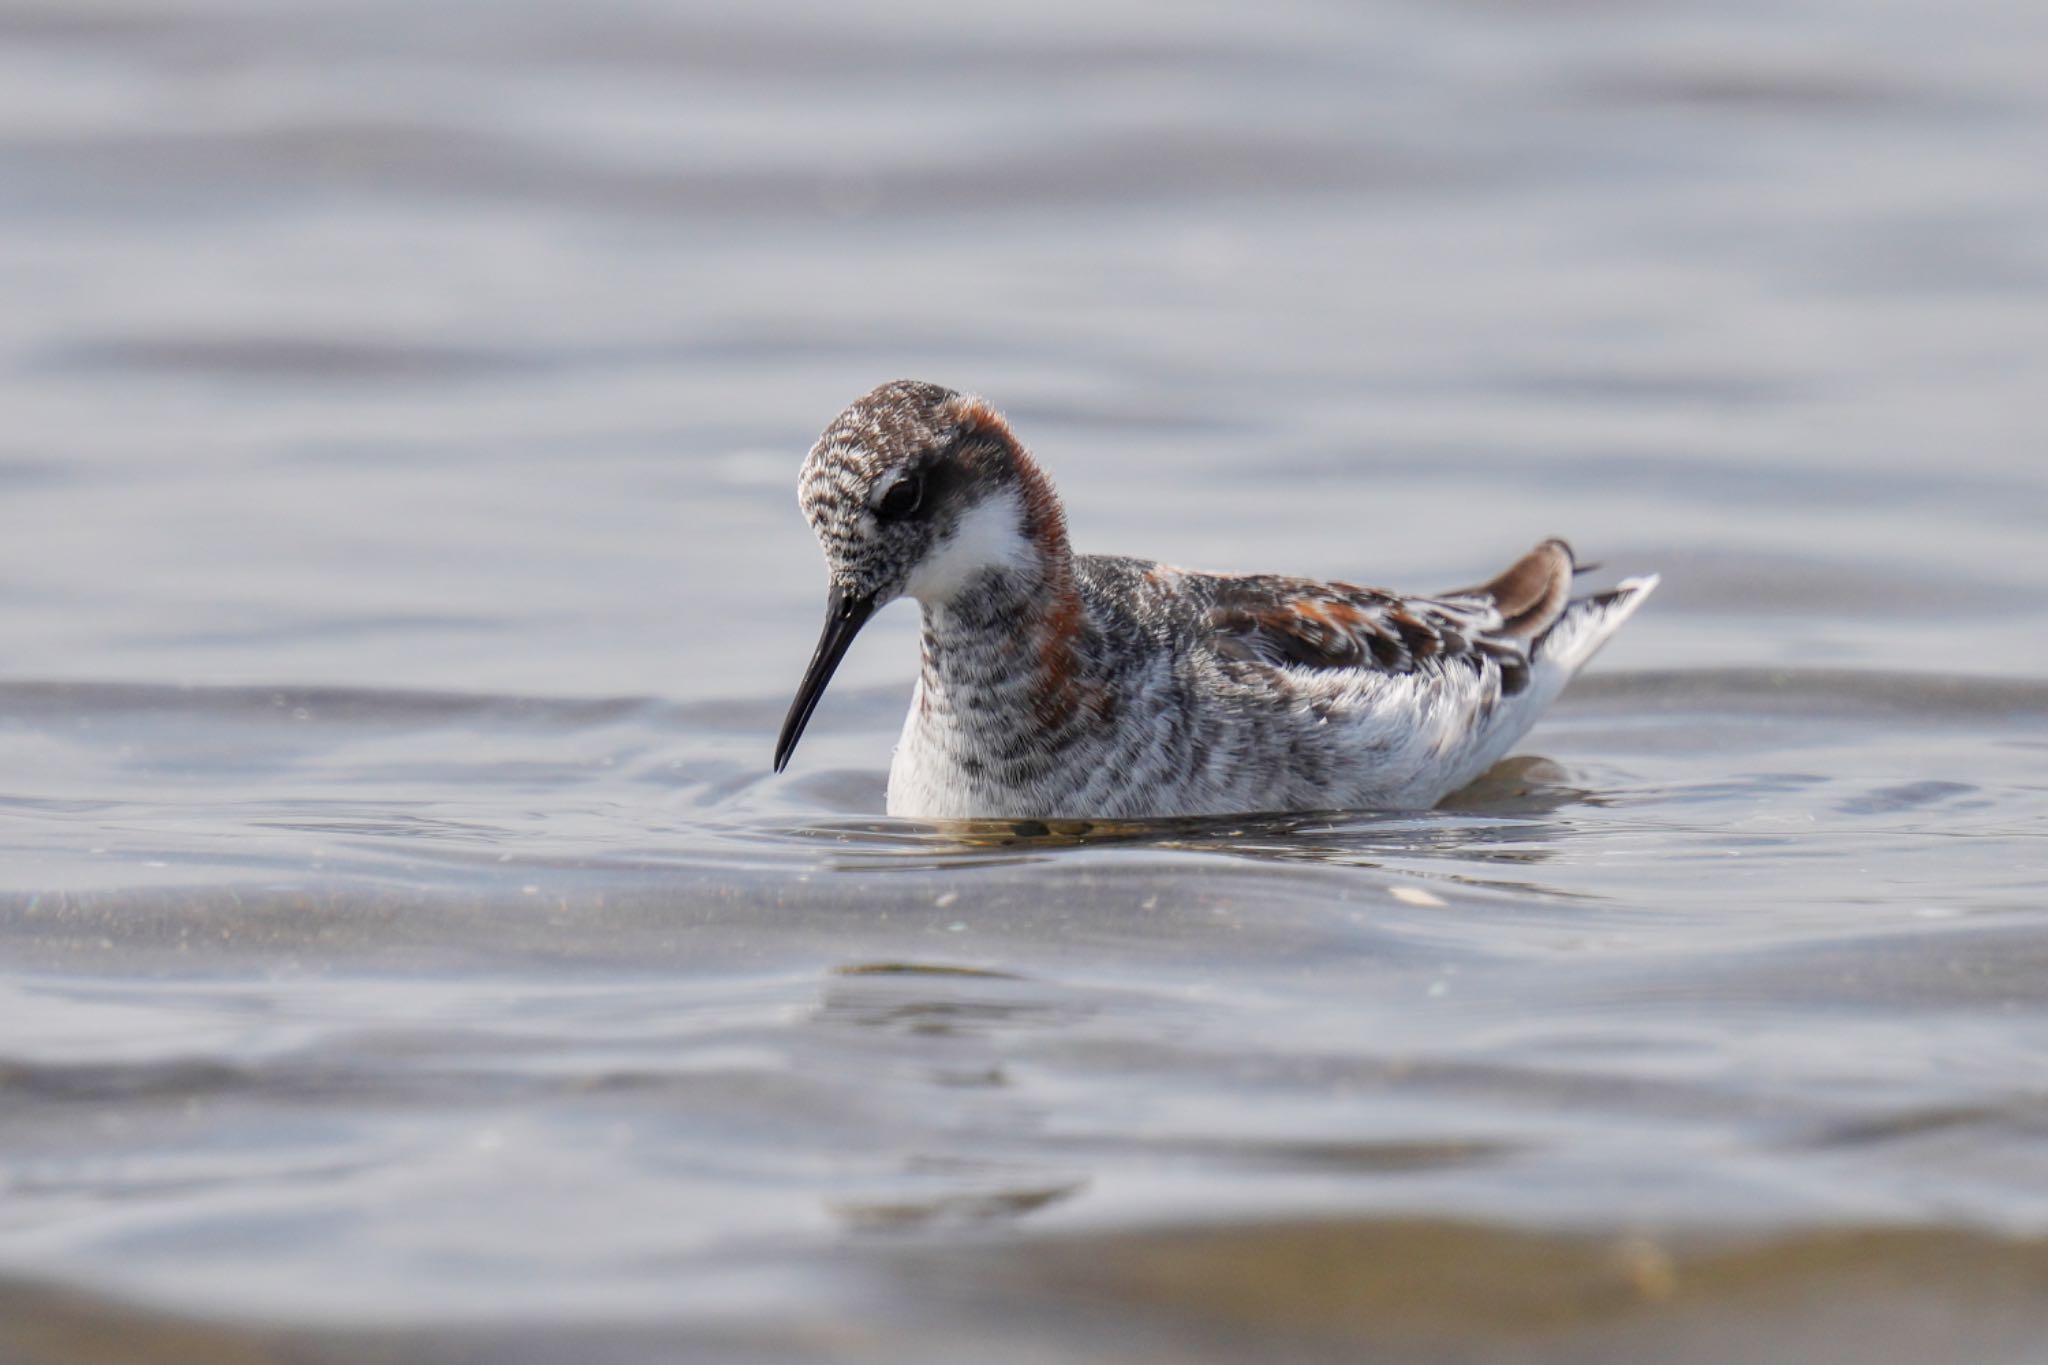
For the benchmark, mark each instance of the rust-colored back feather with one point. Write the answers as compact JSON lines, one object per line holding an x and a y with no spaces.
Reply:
{"x":1292,"y":622}
{"x":1532,"y":592}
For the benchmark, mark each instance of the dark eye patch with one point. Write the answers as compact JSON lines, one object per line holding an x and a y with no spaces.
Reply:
{"x":903,"y":499}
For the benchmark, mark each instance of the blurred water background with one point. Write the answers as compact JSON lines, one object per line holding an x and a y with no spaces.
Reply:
{"x":405,"y":953}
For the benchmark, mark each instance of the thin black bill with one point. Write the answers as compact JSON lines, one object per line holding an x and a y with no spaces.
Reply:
{"x":845,"y":614}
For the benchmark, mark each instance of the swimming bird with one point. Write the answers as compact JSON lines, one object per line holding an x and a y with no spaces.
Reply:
{"x":1056,"y":685}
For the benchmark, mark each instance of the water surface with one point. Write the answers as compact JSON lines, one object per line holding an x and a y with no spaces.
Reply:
{"x":406,"y":954}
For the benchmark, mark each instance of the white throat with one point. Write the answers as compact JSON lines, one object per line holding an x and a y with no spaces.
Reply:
{"x":989,"y":535}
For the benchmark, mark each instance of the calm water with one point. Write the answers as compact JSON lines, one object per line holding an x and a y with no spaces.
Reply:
{"x":405,"y":953}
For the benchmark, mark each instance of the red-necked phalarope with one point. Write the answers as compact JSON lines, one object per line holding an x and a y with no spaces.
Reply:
{"x":1094,"y":686}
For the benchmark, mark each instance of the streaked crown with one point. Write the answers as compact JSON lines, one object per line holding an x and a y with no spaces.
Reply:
{"x":913,"y":478}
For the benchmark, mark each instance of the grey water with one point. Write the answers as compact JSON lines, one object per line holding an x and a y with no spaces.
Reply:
{"x":406,"y":953}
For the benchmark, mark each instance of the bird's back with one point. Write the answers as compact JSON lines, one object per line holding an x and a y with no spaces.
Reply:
{"x":1261,"y":692}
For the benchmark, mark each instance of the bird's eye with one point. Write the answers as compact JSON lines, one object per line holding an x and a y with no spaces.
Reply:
{"x":904,"y":497}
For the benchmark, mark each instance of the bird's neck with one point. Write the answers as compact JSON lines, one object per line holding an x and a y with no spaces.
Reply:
{"x":1003,"y":651}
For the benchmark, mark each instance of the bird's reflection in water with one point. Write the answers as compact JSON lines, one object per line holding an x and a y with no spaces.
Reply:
{"x":1516,"y":814}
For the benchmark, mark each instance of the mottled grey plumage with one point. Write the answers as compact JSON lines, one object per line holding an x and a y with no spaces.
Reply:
{"x":1097,"y":686}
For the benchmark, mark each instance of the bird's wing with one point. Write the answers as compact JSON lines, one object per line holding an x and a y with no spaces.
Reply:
{"x":1302,"y":623}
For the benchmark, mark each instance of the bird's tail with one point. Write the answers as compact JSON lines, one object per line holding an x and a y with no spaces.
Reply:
{"x":1586,"y":624}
